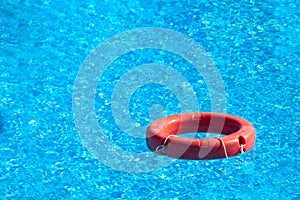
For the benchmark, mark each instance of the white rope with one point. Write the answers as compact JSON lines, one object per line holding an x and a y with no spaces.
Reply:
{"x":162,"y":147}
{"x":242,"y":148}
{"x":224,"y":147}
{"x":222,"y":142}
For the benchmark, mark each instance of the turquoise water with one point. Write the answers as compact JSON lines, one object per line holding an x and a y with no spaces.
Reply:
{"x":254,"y":45}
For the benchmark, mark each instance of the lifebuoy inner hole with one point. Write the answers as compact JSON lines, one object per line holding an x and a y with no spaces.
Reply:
{"x":201,"y":135}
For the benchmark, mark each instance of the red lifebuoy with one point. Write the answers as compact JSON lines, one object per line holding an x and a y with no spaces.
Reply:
{"x":162,"y":136}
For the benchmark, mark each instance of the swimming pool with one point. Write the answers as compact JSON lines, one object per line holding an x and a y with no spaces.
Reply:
{"x":253,"y":44}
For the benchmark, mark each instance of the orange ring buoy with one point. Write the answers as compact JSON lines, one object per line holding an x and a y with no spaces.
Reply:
{"x":162,"y":136}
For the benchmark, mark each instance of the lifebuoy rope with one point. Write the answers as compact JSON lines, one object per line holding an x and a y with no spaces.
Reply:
{"x":222,"y":142}
{"x":224,"y":147}
{"x":162,"y":147}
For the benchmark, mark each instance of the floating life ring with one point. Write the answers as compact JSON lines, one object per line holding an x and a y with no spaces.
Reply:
{"x":162,"y":136}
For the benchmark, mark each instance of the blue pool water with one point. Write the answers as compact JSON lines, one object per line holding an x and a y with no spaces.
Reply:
{"x":255,"y":46}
